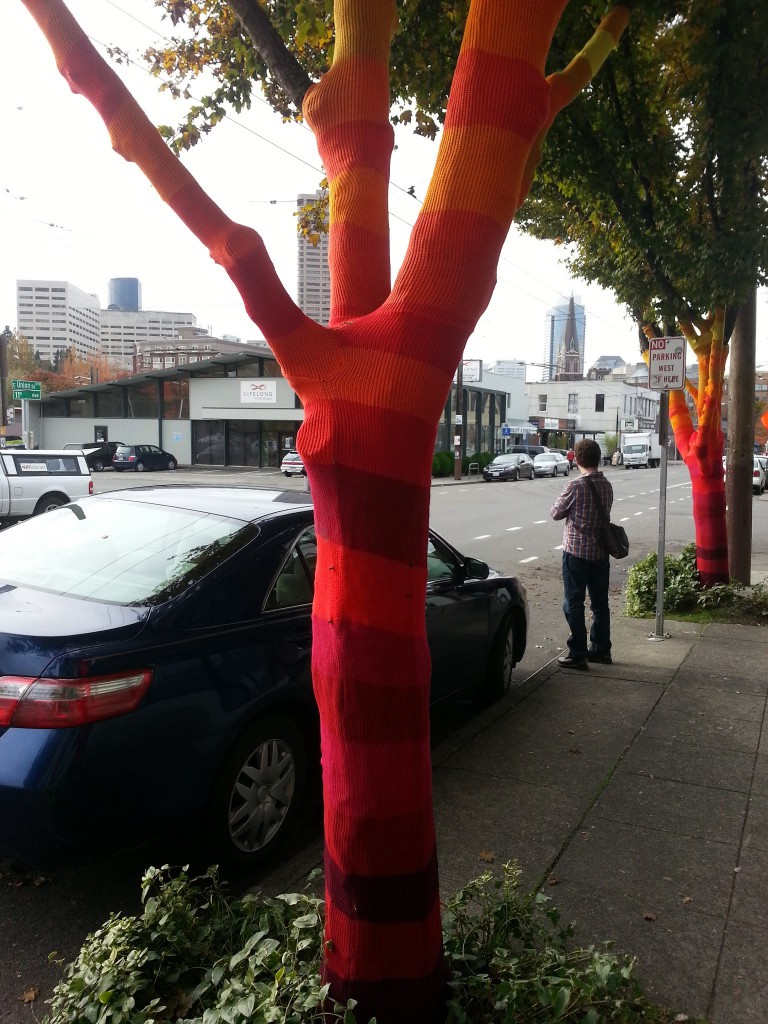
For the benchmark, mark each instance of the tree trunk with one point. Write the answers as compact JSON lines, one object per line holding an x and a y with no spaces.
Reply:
{"x":708,"y":492}
{"x":741,"y":427}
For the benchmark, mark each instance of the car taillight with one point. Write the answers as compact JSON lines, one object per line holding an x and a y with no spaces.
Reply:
{"x":90,"y":486}
{"x":61,"y":703}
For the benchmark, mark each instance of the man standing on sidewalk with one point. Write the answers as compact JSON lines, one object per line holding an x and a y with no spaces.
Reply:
{"x":585,"y":559}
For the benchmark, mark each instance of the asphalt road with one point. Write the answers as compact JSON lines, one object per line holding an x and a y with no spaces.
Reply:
{"x":506,"y":524}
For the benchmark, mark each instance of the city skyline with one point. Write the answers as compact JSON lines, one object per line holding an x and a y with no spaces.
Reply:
{"x":68,"y":219}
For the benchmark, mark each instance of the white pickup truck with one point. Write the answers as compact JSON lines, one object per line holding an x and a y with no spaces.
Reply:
{"x":36,"y":481}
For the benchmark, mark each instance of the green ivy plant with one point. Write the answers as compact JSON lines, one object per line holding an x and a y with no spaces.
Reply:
{"x":196,"y":956}
{"x":684,"y":595}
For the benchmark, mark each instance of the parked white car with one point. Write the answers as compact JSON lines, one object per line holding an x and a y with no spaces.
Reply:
{"x":759,"y":475}
{"x":550,"y":464}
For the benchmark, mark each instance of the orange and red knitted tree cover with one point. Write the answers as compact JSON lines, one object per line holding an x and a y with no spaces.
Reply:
{"x":701,"y":444}
{"x":381,"y":369}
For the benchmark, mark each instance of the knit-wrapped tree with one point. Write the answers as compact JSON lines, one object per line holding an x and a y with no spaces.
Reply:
{"x":701,"y":444}
{"x":383,"y":367}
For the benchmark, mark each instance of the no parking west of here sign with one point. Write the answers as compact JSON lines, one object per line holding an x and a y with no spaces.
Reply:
{"x":666,"y":364}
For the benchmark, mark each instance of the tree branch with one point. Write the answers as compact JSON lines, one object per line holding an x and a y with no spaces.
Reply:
{"x":289,"y":74}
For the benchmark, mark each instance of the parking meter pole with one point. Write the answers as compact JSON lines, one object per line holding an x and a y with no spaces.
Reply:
{"x":458,"y":419}
{"x":659,"y":633}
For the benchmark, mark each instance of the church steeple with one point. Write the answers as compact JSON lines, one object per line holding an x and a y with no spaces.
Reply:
{"x":569,"y":361}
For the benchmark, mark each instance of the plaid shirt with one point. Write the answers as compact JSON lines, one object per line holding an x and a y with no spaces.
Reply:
{"x":583,"y":523}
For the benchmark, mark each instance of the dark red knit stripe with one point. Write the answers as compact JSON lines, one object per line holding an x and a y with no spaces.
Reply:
{"x":366,"y":498}
{"x":357,"y":145}
{"x":392,"y":661}
{"x":401,"y":432}
{"x":377,"y":839}
{"x":710,"y":554}
{"x":383,"y":898}
{"x":384,"y":1000}
{"x":490,"y":89}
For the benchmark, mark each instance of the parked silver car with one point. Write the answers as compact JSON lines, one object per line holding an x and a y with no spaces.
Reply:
{"x":550,"y":464}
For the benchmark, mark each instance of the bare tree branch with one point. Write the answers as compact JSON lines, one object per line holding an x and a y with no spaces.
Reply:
{"x":290,"y":75}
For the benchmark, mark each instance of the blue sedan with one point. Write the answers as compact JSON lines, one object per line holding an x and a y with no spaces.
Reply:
{"x":155,"y":666}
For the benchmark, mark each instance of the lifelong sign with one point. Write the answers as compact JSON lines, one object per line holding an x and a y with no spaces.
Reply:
{"x":666,"y":364}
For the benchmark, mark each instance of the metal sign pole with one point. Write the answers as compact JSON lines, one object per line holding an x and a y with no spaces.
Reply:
{"x":659,"y":633}
{"x":24,"y":420}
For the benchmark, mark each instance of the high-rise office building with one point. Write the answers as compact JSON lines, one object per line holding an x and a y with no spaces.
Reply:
{"x":561,"y":329}
{"x":55,"y":316}
{"x":314,"y":278}
{"x":123,"y":331}
{"x":125,"y":294}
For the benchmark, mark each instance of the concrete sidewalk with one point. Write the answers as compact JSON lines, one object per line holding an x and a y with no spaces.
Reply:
{"x":636,"y":796}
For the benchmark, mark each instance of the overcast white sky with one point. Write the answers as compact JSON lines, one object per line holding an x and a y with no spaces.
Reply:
{"x":72,"y":209}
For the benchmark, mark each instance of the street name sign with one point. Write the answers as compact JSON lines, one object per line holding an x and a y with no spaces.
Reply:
{"x":666,"y":364}
{"x":26,"y":390}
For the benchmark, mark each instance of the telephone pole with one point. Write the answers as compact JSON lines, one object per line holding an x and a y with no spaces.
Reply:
{"x":5,"y":338}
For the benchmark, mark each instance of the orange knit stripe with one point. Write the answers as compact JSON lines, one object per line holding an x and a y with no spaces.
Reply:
{"x":477,"y":189}
{"x":521,"y":30}
{"x":346,"y":210}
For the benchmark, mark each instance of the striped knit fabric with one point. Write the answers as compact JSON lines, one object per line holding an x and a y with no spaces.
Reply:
{"x":701,"y":446}
{"x":373,"y":385}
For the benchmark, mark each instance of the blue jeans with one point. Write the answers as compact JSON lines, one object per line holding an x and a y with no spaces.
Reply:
{"x":580,"y":576}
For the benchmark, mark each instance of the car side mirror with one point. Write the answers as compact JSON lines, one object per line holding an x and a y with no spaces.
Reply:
{"x":476,"y":569}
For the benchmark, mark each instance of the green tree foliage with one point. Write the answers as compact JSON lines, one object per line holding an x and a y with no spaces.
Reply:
{"x":209,"y":38}
{"x":655,"y":178}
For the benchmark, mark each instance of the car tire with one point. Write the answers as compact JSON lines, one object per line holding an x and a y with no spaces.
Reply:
{"x":140,"y":467}
{"x":515,"y":475}
{"x":501,"y":662}
{"x":171,"y":463}
{"x":257,"y":792}
{"x":49,"y":502}
{"x":287,"y":474}
{"x":98,"y":465}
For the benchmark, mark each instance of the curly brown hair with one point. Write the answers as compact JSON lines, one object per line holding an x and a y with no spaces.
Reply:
{"x":587,"y":453}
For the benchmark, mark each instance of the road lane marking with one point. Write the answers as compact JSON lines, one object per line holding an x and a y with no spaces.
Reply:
{"x":624,"y":519}
{"x":536,"y":522}
{"x":638,"y":513}
{"x":483,"y":536}
{"x":533,"y":558}
{"x":511,"y":529}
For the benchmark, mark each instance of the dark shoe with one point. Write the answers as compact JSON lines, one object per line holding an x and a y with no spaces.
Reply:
{"x":602,"y":659}
{"x":568,"y":662}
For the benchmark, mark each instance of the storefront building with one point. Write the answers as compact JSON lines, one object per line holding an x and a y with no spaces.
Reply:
{"x":235,"y":410}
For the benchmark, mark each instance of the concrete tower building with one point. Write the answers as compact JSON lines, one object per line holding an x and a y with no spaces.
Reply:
{"x":314,"y":278}
{"x":55,"y":316}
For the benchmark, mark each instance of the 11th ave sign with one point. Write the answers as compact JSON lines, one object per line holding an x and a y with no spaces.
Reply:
{"x":26,"y":390}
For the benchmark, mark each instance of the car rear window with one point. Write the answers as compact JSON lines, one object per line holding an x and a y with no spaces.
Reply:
{"x":118,"y":552}
{"x":26,"y":463}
